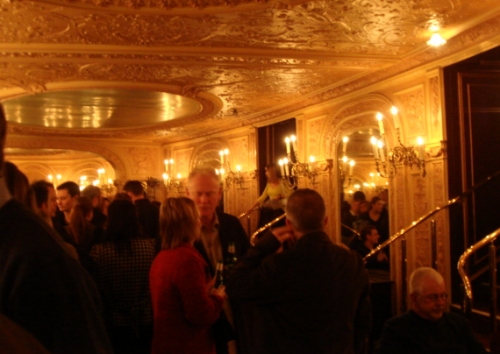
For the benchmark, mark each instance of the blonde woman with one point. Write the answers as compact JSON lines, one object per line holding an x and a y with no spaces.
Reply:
{"x":185,"y":304}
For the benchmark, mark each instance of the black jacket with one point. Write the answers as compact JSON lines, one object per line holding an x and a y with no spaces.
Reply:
{"x":312,"y":298}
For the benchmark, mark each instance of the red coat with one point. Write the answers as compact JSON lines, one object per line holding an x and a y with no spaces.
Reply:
{"x":183,"y":310}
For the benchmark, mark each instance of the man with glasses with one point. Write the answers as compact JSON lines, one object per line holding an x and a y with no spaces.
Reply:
{"x":428,"y":327}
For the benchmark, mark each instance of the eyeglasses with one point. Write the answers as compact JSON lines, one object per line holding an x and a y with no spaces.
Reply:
{"x":435,"y":297}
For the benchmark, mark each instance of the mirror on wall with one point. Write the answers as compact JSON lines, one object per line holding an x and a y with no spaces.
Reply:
{"x":364,"y":195}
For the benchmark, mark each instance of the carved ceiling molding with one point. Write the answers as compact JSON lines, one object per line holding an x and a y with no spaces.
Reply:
{"x":211,"y":105}
{"x":107,"y":154}
{"x":186,"y":5}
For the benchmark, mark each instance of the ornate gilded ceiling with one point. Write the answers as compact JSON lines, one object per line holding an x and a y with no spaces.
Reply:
{"x":235,"y":61}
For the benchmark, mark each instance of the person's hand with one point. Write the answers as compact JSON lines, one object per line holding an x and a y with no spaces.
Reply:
{"x":220,"y":292}
{"x":284,"y":234}
{"x":210,"y":284}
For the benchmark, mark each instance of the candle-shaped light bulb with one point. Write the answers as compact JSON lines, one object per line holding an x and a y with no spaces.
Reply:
{"x":179,"y":176}
{"x":351,"y":166}
{"x":421,"y":148}
{"x":171,"y":161}
{"x":345,"y":159}
{"x":165,"y":177}
{"x":294,"y":143}
{"x":282,"y":166}
{"x":221,"y":153}
{"x":287,"y":142}
{"x":380,"y":146}
{"x":345,"y":139}
{"x":58,"y":176}
{"x":110,"y":181}
{"x":312,"y":159}
{"x":287,"y":166}
{"x":49,"y":177}
{"x":380,"y":118}
{"x":374,"y":142}
{"x":222,"y":171}
{"x":238,"y":169}
{"x":394,"y":112}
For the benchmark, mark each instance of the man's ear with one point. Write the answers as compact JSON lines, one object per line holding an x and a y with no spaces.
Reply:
{"x":325,"y":222}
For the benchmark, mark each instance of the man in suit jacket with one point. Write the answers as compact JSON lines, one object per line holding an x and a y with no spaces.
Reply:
{"x":147,"y":212}
{"x":218,"y":230}
{"x":312,"y":298}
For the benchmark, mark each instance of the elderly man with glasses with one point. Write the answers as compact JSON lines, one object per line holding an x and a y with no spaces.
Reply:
{"x":428,"y":327}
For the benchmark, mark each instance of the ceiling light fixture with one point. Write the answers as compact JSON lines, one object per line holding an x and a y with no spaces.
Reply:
{"x":436,"y":40}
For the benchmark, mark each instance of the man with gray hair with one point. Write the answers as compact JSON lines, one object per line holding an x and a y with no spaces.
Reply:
{"x":311,"y":298}
{"x":218,"y":231}
{"x":427,"y":327}
{"x":43,"y":288}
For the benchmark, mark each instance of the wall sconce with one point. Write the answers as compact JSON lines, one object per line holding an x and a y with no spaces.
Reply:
{"x":388,"y":160}
{"x":292,"y":169}
{"x":230,"y":177}
{"x":173,"y":183}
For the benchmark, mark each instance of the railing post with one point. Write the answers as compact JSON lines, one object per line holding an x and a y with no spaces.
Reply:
{"x":404,"y":269}
{"x":249,"y":224}
{"x":434,"y":244}
{"x":493,"y":275}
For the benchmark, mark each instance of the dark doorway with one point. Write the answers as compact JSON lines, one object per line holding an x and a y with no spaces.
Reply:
{"x":472,"y":95}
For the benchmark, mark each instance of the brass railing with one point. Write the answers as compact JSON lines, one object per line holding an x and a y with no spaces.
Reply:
{"x":264,"y":228}
{"x":462,"y":197}
{"x":489,"y":239}
{"x":399,"y":235}
{"x":248,"y":215}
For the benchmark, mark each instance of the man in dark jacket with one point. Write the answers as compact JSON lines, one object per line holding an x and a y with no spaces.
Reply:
{"x":148,"y":213}
{"x":427,"y":327}
{"x":312,"y":298}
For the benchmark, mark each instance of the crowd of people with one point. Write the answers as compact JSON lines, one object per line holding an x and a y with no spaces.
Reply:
{"x":79,"y":274}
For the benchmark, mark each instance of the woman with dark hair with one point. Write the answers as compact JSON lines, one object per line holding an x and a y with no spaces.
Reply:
{"x":273,"y":199}
{"x":79,"y":226}
{"x":123,"y":261}
{"x":185,"y":304}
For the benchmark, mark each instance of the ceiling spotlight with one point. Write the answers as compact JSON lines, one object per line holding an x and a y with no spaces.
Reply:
{"x":436,"y":40}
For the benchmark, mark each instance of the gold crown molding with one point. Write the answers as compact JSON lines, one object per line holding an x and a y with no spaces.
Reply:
{"x":69,"y":144}
{"x":31,"y":55}
{"x":175,"y":6}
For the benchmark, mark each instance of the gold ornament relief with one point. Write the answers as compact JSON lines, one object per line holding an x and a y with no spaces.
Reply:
{"x":413,"y":102}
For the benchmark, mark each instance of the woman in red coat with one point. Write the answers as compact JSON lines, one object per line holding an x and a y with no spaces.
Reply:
{"x":185,"y":304}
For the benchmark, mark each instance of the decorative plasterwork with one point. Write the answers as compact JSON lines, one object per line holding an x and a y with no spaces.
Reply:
{"x":413,"y":109}
{"x":261,"y":59}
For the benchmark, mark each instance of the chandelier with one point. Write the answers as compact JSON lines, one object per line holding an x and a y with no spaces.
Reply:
{"x":389,"y":160}
{"x":292,"y":169}
{"x":227,"y":175}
